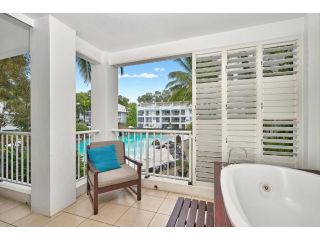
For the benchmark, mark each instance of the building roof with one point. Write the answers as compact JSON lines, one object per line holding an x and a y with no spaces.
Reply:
{"x":122,"y":108}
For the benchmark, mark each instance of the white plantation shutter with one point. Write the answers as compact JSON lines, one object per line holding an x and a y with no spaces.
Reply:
{"x":247,"y":98}
{"x":242,"y":103}
{"x":280,"y":98}
{"x":208,"y":115}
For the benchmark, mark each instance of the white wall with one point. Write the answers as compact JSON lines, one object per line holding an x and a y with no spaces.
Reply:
{"x":311,"y":99}
{"x":53,"y":115}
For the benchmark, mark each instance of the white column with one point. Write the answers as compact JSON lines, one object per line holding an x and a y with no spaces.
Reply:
{"x":311,"y":89}
{"x":52,"y":46}
{"x":104,"y":100}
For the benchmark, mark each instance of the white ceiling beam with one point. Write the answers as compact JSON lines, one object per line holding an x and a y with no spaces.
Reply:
{"x":22,"y":18}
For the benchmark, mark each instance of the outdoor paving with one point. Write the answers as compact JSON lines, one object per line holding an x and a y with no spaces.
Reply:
{"x":116,"y":209}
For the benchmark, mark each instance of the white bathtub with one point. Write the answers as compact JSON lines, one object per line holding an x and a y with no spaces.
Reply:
{"x":264,"y":195}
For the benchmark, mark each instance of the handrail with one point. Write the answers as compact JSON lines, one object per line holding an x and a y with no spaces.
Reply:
{"x":87,"y":131}
{"x":152,"y":131}
{"x":29,"y":133}
{"x":15,"y":133}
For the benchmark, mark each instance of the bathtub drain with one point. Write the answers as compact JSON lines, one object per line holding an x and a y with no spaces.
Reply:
{"x":265,"y":187}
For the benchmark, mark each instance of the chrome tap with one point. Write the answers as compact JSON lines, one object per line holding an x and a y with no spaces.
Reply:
{"x":232,"y":149}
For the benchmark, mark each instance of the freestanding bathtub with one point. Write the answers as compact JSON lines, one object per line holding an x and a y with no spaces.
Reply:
{"x":265,"y":195}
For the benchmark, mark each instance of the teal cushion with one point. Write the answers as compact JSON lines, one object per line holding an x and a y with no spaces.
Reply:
{"x":104,"y":158}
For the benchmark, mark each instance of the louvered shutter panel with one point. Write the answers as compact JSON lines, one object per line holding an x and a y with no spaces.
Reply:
{"x":242,"y":103}
{"x":280,"y":96}
{"x":208,"y":115}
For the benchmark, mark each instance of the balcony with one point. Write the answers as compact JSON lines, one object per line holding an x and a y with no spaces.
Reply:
{"x":166,"y":156}
{"x":254,"y":87}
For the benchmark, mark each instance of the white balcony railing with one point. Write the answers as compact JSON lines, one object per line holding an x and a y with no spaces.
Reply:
{"x":15,"y":155}
{"x":164,"y":153}
{"x":83,"y":139}
{"x":15,"y":158}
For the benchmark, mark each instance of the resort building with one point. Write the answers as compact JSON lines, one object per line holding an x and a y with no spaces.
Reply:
{"x":165,"y":115}
{"x":7,"y":118}
{"x":122,"y":116}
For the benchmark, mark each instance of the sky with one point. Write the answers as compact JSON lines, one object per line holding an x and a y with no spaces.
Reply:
{"x":139,"y":79}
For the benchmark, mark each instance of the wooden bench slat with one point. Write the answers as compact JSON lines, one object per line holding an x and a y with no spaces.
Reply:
{"x":210,"y":215}
{"x":175,"y":213}
{"x":192,"y":214}
{"x":183,"y":213}
{"x":201,"y":214}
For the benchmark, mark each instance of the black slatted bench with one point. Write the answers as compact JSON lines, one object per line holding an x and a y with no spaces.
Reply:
{"x":192,"y":213}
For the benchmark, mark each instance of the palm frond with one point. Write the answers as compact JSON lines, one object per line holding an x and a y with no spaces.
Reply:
{"x":85,"y":69}
{"x":185,"y":63}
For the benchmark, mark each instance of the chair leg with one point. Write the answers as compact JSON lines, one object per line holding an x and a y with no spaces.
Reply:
{"x":88,"y":187}
{"x":139,"y":191}
{"x":95,"y":202}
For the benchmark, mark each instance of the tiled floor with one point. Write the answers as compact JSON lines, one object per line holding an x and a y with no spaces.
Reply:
{"x":117,"y":208}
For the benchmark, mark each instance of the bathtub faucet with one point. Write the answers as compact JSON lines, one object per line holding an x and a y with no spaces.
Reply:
{"x":232,"y":149}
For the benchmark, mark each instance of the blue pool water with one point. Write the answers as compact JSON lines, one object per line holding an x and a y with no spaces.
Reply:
{"x":140,"y":146}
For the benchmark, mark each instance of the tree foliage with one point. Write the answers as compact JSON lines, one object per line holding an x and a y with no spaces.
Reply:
{"x":81,"y":127}
{"x":123,"y":101}
{"x":15,"y":91}
{"x":132,"y":115}
{"x":85,"y":69}
{"x":83,"y":101}
{"x":180,"y":82}
{"x":157,"y":96}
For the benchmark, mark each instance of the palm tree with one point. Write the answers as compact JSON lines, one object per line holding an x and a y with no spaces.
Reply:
{"x":180,"y":84}
{"x":85,"y":69}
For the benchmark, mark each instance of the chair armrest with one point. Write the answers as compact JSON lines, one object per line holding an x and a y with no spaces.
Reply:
{"x":92,"y":168}
{"x":139,"y":164}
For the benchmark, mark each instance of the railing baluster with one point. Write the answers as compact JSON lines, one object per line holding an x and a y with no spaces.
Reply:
{"x":140,"y":147}
{"x":154,"y":153}
{"x":160,"y":153}
{"x":190,"y":160}
{"x":28,"y":155}
{"x":182,"y":153}
{"x":2,"y":157}
{"x":134,"y":145}
{"x":11,"y":165}
{"x":147,"y":151}
{"x":84,"y":154}
{"x":17,"y":157}
{"x":128,"y":140}
{"x":22,"y":161}
{"x":168,"y":156}
{"x":78,"y":159}
{"x":7,"y":157}
{"x":175,"y":155}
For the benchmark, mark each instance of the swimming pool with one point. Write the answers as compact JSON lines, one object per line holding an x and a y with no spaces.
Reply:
{"x":137,"y":149}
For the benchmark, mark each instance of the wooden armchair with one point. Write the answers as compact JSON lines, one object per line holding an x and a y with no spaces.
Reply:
{"x":126,"y":176}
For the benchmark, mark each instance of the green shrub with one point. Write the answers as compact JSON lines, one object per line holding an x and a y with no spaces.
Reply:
{"x":81,"y":127}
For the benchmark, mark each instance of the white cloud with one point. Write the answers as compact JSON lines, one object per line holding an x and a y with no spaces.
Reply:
{"x":141,"y":75}
{"x":158,"y":69}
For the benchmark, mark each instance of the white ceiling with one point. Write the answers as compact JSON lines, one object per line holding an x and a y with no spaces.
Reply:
{"x":116,"y":32}
{"x":14,"y":39}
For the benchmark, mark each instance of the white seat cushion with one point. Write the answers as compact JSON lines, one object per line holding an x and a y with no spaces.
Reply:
{"x":116,"y":176}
